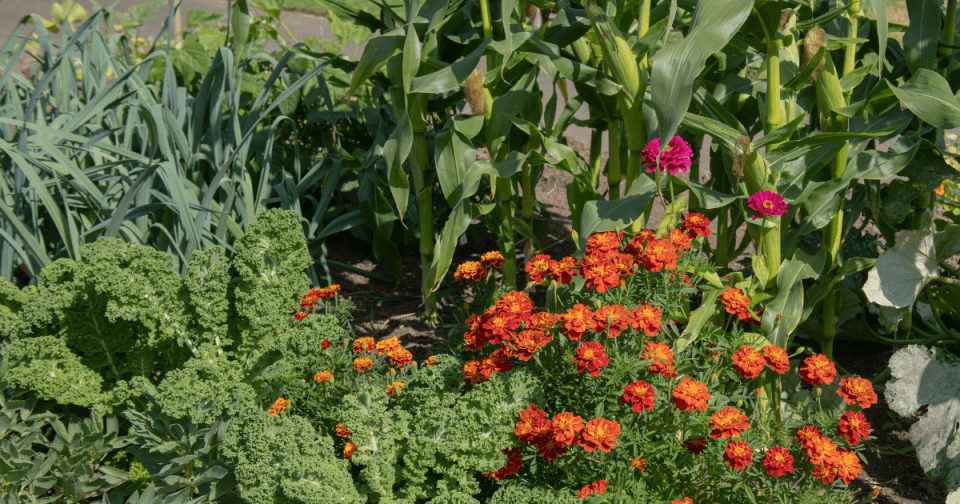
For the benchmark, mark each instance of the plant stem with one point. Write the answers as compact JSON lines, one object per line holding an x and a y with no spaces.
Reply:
{"x":596,"y":147}
{"x":529,"y":198}
{"x":507,"y":241}
{"x":416,"y":106}
{"x":613,"y":162}
{"x":949,"y":27}
{"x":774,"y":118}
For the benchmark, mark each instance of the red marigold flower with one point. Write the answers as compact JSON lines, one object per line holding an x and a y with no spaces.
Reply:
{"x":310,"y":300}
{"x":325,"y":343}
{"x":817,"y":370}
{"x":776,"y":358}
{"x":576,"y":321}
{"x":820,"y":450}
{"x":349,"y":450}
{"x":604,"y":245}
{"x":734,"y":301}
{"x":738,"y":455}
{"x":747,"y":362}
{"x":515,"y":304}
{"x":590,"y":357}
{"x":279,"y":405}
{"x":600,"y":274}
{"x":856,"y":390}
{"x":623,"y":264}
{"x":807,"y":435}
{"x":323,"y":376}
{"x":659,"y":254}
{"x":599,"y":434}
{"x":400,"y":357}
{"x":778,"y":461}
{"x":646,"y":318}
{"x":429,"y":361}
{"x":728,"y":423}
{"x":362,"y":364}
{"x":680,"y":241}
{"x":640,"y":394}
{"x":498,"y":361}
{"x":658,"y":353}
{"x":395,"y":388}
{"x":853,"y":426}
{"x":470,"y":270}
{"x":767,"y":203}
{"x":638,"y":463}
{"x":492,"y":259}
{"x":542,"y":321}
{"x":690,"y":395}
{"x":562,"y":271}
{"x":533,"y":423}
{"x":299,"y":316}
{"x":548,"y":448}
{"x":695,"y":224}
{"x":695,"y":446}
{"x":476,"y":336}
{"x":847,"y":465}
{"x":673,"y":158}
{"x":614,"y":319}
{"x":329,"y":292}
{"x":537,"y":268}
{"x":342,"y":431}
{"x":567,"y":428}
{"x":527,"y":343}
{"x":364,"y":345}
{"x":597,"y":487}
{"x":512,"y":465}
{"x":685,"y":500}
{"x":500,"y":327}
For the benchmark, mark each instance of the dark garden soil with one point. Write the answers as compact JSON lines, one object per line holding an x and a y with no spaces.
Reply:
{"x":385,"y":309}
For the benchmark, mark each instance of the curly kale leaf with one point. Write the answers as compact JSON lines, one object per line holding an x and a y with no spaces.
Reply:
{"x":207,"y":289}
{"x":270,"y":258}
{"x":204,"y":391}
{"x":12,"y":303}
{"x":46,"y":366}
{"x":298,"y":347}
{"x":280,"y":459}
{"x":516,"y":493}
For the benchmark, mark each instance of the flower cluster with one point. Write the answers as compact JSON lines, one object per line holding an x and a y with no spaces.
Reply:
{"x":323,"y":377}
{"x":478,"y":270}
{"x":597,"y":487}
{"x":828,"y":460}
{"x":309,"y":301}
{"x":736,"y":303}
{"x":673,"y":158}
{"x":279,"y":405}
{"x":749,"y":363}
{"x":554,"y":437}
{"x":389,"y":347}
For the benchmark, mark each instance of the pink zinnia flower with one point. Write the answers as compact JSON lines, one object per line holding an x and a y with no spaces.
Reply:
{"x":675,"y":157}
{"x":767,"y":203}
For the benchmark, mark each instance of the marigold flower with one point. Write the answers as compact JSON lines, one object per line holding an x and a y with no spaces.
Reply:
{"x":638,"y":463}
{"x":599,"y":434}
{"x":299,"y":316}
{"x":623,"y":263}
{"x":680,"y":241}
{"x":695,"y":224}
{"x":597,"y":487}
{"x":323,"y":376}
{"x":738,"y":455}
{"x":385,"y":346}
{"x":492,"y":259}
{"x":325,"y":343}
{"x":778,"y":461}
{"x":600,"y":274}
{"x":567,"y":428}
{"x":734,"y":301}
{"x":817,"y":370}
{"x":673,"y":158}
{"x":476,"y":336}
{"x":690,"y":395}
{"x":498,"y":361}
{"x":856,"y":390}
{"x":512,"y":465}
{"x":590,"y":357}
{"x":562,"y":271}
{"x":527,"y":343}
{"x":659,"y":254}
{"x":349,"y":450}
{"x":500,"y":327}
{"x":767,"y":203}
{"x":807,"y":435}
{"x":537,"y":268}
{"x":853,"y":426}
{"x":362,"y":364}
{"x":279,"y":405}
{"x":471,"y":371}
{"x":342,"y":431}
{"x":848,"y":465}
{"x":640,"y":394}
{"x":329,"y":291}
{"x":695,"y":446}
{"x":658,"y":353}
{"x":400,"y":357}
{"x":548,"y":448}
{"x":728,"y":423}
{"x":542,"y":321}
{"x":685,"y":500}
{"x":310,"y":300}
{"x":776,"y":358}
{"x":747,"y":362}
{"x":604,"y":245}
{"x":470,"y":270}
{"x":940,"y":191}
{"x":821,"y":450}
{"x":364,"y":345}
{"x":515,"y":304}
{"x":395,"y":388}
{"x":429,"y":361}
{"x":576,"y":321}
{"x":646,"y":318}
{"x":533,"y":423}
{"x":613,"y":319}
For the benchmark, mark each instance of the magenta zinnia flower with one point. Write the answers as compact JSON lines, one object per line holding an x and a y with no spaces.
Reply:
{"x":675,"y":157}
{"x":767,"y":203}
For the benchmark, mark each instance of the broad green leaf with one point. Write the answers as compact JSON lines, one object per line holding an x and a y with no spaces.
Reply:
{"x":947,"y":242}
{"x":922,"y":35}
{"x":883,"y":31}
{"x":446,"y":244}
{"x":708,"y":308}
{"x":395,"y":152}
{"x":708,"y":198}
{"x":376,"y":53}
{"x":199,"y":18}
{"x":877,"y":165}
{"x":928,"y":95}
{"x":676,"y":66}
{"x":901,"y":271}
{"x":787,"y":306}
{"x":411,"y":57}
{"x":600,"y":216}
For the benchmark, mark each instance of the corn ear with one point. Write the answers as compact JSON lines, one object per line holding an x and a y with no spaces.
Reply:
{"x":811,"y":44}
{"x":581,"y":49}
{"x":621,"y":64}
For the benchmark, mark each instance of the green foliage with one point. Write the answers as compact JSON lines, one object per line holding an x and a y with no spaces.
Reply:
{"x":510,"y":494}
{"x":48,"y":367}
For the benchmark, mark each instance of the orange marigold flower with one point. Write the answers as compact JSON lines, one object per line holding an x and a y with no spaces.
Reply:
{"x":613,"y":319}
{"x":364,"y":345}
{"x":776,"y":358}
{"x":515,"y":304}
{"x":821,"y":450}
{"x":299,"y":316}
{"x":853,"y":426}
{"x":646,"y":318}
{"x":310,"y":300}
{"x":590,"y":357}
{"x":638,"y":463}
{"x":323,"y":376}
{"x":940,"y":191}
{"x":527,"y":343}
{"x":778,"y":461}
{"x":362,"y":364}
{"x":600,"y":274}
{"x":400,"y":357}
{"x":385,"y":346}
{"x":807,"y":435}
{"x":567,"y":428}
{"x":747,"y":362}
{"x":349,"y":450}
{"x":848,"y":465}
{"x":817,"y":370}
{"x":640,"y":394}
{"x":471,"y":371}
{"x":533,"y":423}
{"x":658,"y":353}
{"x":492,"y":259}
{"x":728,"y":423}
{"x":576,"y":321}
{"x":537,"y":268}
{"x":856,"y":390}
{"x":279,"y":405}
{"x":738,"y":455}
{"x":695,"y":224}
{"x":624,"y":264}
{"x":562,"y":271}
{"x":395,"y":388}
{"x":429,"y":361}
{"x":695,"y":446}
{"x":734,"y":301}
{"x":597,"y":487}
{"x":542,"y":321}
{"x":680,"y":241}
{"x":685,"y":500}
{"x":470,"y":270}
{"x":476,"y":336}
{"x":512,"y":465}
{"x":659,"y":254}
{"x":500,"y":327}
{"x":342,"y":431}
{"x":329,"y":292}
{"x":599,"y":434}
{"x":690,"y":395}
{"x":498,"y":361}
{"x":603,"y":245}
